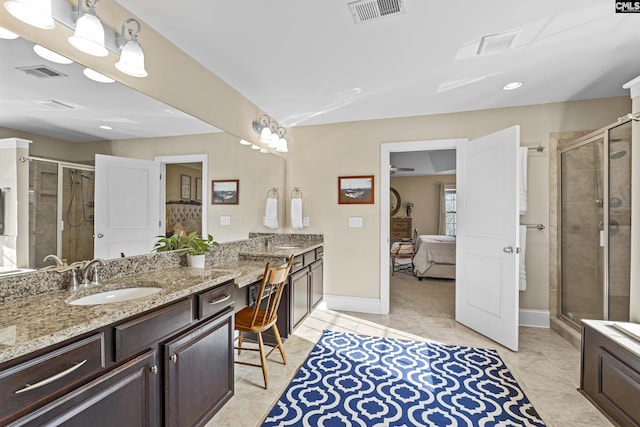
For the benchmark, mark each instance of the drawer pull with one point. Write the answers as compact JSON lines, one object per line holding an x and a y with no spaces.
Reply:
{"x":219,"y":300}
{"x":298,"y":264}
{"x":51,"y":379}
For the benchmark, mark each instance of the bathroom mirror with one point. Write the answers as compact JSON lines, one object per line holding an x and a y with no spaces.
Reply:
{"x":62,"y":115}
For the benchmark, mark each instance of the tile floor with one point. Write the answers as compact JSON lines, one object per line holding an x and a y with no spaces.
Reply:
{"x":546,"y":367}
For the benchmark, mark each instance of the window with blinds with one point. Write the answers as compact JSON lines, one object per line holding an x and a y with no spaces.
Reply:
{"x":450,"y":209}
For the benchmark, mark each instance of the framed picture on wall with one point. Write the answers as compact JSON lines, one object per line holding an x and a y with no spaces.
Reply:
{"x":225,"y":192}
{"x":198,"y":188}
{"x":355,"y":190}
{"x":185,"y":186}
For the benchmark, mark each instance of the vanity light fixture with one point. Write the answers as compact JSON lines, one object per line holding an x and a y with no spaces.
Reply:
{"x":88,"y":37}
{"x":50,"y":55}
{"x":36,"y":13}
{"x":282,"y":142}
{"x":7,"y":34}
{"x":131,"y":57}
{"x":512,"y":86}
{"x":96,"y":76}
{"x":261,"y":127}
{"x":274,"y":139}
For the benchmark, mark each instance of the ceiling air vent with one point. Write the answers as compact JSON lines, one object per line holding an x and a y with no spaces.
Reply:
{"x":497,"y":43}
{"x":41,"y":71}
{"x":371,"y":10}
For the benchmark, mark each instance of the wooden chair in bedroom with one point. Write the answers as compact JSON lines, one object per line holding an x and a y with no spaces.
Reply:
{"x":264,"y":315}
{"x":404,"y":250}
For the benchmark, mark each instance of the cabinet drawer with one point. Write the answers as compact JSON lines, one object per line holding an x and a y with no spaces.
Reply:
{"x":319,"y":252}
{"x":215,"y":300}
{"x":145,"y":331}
{"x":309,"y":257}
{"x":27,"y":384}
{"x":298,"y":264}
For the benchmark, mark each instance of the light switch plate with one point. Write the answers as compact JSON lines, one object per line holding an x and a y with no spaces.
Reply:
{"x":355,"y":222}
{"x":305,"y":221}
{"x":225,"y":220}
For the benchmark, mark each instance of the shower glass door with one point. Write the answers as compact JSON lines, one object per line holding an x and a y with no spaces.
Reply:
{"x":619,"y":265}
{"x":76,"y":238}
{"x":581,"y":239}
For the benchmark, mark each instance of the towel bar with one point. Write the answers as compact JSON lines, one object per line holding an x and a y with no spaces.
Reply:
{"x":539,"y":148}
{"x":536,"y":226}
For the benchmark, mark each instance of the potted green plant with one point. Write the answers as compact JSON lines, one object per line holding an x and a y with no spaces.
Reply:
{"x":196,"y":248}
{"x":171,"y":243}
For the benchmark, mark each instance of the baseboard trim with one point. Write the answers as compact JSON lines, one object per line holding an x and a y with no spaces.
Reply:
{"x":535,"y":318}
{"x":359,"y":305}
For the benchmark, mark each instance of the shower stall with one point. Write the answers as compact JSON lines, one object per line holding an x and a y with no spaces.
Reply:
{"x":61,"y":200}
{"x":594,"y":222}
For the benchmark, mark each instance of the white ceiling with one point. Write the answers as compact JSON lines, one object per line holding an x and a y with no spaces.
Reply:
{"x":307,"y":62}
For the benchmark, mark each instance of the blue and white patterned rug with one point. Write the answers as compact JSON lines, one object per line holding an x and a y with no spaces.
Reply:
{"x":352,"y":380}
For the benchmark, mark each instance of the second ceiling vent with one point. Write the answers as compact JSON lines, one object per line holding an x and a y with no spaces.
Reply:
{"x":370,"y":10}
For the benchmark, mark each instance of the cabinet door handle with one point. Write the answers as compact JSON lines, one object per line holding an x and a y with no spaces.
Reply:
{"x":154,"y":369}
{"x":298,"y":264}
{"x":219,"y":300}
{"x":174,"y":358}
{"x":51,"y":379}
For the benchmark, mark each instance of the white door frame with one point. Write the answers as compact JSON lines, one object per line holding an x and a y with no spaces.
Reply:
{"x":186,"y":158}
{"x":385,"y":219}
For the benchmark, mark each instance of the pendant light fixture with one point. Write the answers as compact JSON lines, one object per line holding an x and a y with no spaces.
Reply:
{"x":36,"y":13}
{"x":88,"y":36}
{"x":132,"y":57}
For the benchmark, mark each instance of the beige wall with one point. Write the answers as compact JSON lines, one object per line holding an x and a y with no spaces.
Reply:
{"x":174,"y":180}
{"x":322,"y":153}
{"x":424,"y":192}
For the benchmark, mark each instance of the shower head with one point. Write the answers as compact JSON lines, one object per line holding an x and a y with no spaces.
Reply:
{"x":618,"y":154}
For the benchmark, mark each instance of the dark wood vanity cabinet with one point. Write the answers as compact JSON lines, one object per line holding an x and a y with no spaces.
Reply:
{"x":610,"y":372}
{"x":299,"y":286}
{"x":168,"y":366}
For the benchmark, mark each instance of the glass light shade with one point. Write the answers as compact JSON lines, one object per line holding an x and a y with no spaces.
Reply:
{"x":89,"y":35}
{"x":7,"y":34}
{"x":244,"y":142}
{"x":273,"y":141}
{"x":132,"y":59}
{"x":96,"y":76}
{"x":255,"y":147}
{"x":33,"y":12}
{"x":282,"y":146}
{"x":50,"y":55}
{"x":265,"y":135}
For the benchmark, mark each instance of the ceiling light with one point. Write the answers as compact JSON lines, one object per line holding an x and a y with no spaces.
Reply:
{"x":33,"y":12}
{"x":105,"y":127}
{"x":264,"y":150}
{"x":7,"y":35}
{"x":96,"y":76}
{"x":88,"y":36}
{"x":255,"y":147}
{"x":512,"y":86}
{"x":132,"y":57}
{"x":244,"y":142}
{"x":50,"y":55}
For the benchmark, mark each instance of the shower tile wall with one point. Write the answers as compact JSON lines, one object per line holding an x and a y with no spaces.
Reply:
{"x":77,"y":236}
{"x":581,"y":274}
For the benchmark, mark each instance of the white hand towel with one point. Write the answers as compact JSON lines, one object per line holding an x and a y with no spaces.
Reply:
{"x":296,"y":213}
{"x":523,"y":248}
{"x":522,"y":166}
{"x":270,"y":219}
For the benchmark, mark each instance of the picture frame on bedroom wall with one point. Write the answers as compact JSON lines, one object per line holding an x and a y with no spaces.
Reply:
{"x":356,"y":190}
{"x":225,"y":192}
{"x":185,"y":186}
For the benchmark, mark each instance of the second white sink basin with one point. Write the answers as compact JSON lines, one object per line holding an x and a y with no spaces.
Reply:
{"x":117,"y":295}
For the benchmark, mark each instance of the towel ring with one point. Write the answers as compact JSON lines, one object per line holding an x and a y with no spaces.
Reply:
{"x":273,"y":194}
{"x":296,"y":193}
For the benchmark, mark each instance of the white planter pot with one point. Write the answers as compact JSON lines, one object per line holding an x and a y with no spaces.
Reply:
{"x":195,"y":261}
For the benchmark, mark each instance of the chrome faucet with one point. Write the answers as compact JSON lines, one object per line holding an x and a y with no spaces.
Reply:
{"x":91,"y":267}
{"x":58,"y":261}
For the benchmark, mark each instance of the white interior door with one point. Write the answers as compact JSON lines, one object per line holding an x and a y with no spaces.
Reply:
{"x":126,"y":206}
{"x":487,"y":236}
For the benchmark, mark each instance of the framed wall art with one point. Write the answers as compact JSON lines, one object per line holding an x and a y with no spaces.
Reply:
{"x":355,"y":190}
{"x":185,"y":186}
{"x":225,"y":192}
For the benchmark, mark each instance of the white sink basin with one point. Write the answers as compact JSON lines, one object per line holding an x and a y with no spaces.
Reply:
{"x":287,"y":247}
{"x":117,"y":295}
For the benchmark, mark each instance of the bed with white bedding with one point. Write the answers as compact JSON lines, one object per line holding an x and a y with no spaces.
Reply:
{"x":435,"y":257}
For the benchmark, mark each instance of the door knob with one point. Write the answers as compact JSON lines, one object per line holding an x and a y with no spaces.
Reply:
{"x":100,"y":235}
{"x":507,"y":249}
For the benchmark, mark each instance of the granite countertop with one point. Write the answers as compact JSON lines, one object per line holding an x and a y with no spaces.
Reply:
{"x":37,"y":322}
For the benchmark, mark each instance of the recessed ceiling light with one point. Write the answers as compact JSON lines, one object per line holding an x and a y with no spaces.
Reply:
{"x":50,"y":55}
{"x":96,"y":76}
{"x":512,"y":86}
{"x":105,"y":127}
{"x":7,"y":35}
